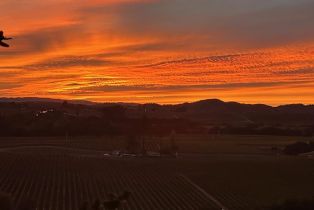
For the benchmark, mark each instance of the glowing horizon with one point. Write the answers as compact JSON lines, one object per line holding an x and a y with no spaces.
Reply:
{"x":157,"y":51}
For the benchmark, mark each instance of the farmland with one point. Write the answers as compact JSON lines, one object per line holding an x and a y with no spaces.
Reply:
{"x":241,"y":172}
{"x":57,"y":180}
{"x":202,"y":144}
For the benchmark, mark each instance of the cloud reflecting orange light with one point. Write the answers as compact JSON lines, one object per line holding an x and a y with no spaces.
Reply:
{"x":88,"y":51}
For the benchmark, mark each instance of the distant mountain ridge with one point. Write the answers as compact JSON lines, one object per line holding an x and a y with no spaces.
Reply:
{"x":212,"y":115}
{"x":205,"y":111}
{"x":252,"y":112}
{"x":200,"y":103}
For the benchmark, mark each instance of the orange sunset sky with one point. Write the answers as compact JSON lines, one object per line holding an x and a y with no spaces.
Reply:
{"x":164,"y":51}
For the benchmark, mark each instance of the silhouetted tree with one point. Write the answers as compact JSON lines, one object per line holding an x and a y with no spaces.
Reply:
{"x":65,"y":104}
{"x":113,"y":113}
{"x":96,"y":205}
{"x":115,"y":202}
{"x":174,"y":146}
{"x":299,"y":148}
{"x":132,"y":144}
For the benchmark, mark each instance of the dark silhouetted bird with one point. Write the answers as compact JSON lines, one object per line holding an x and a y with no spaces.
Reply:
{"x":2,"y":37}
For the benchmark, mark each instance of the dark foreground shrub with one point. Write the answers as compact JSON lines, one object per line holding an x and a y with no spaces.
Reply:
{"x":298,"y":148}
{"x":294,"y":205}
{"x":27,"y":204}
{"x":5,"y":201}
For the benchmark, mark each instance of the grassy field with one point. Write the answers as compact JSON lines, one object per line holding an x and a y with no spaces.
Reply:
{"x":239,"y":171}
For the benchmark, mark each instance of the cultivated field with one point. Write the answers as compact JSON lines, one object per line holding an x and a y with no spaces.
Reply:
{"x":241,"y":172}
{"x":57,"y":180}
{"x":252,"y":182}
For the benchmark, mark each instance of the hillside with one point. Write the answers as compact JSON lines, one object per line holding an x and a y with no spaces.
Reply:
{"x":55,"y":117}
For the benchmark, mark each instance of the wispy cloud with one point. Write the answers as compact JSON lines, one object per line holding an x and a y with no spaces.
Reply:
{"x":67,"y":62}
{"x":158,"y":50}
